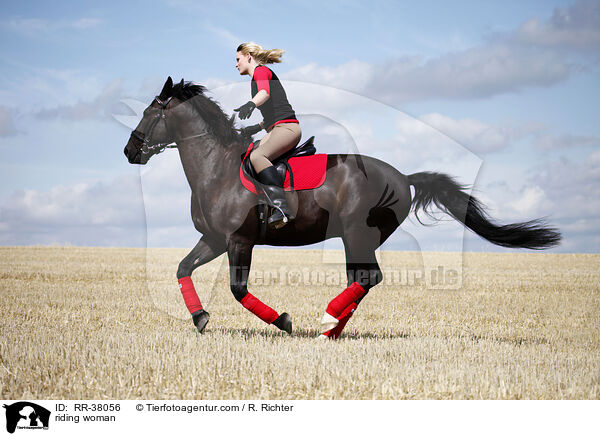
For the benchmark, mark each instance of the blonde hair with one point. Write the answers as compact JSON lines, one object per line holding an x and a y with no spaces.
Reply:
{"x":261,"y":55}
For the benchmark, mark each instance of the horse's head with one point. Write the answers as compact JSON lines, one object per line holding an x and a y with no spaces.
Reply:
{"x":152,"y":134}
{"x":179,"y":113}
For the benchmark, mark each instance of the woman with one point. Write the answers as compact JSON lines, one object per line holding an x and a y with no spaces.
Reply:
{"x":279,"y":120}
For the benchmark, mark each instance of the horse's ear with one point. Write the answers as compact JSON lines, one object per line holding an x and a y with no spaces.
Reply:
{"x":166,"y":91}
{"x":181,"y":83}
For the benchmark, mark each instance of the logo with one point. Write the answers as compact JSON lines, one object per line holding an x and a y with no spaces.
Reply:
{"x":26,"y":415}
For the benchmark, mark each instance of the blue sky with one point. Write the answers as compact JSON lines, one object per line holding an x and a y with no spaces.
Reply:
{"x":503,"y":94}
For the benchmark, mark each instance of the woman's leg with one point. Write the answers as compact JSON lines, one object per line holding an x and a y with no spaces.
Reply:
{"x":279,"y":140}
{"x":283,"y":137}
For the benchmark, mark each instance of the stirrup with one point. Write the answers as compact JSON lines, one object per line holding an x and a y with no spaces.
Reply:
{"x":275,"y":221}
{"x":275,"y":196}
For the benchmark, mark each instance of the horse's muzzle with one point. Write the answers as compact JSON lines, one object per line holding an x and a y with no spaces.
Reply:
{"x":133,"y":153}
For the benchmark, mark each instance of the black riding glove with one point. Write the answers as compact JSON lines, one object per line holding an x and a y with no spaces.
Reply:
{"x":251,"y":130}
{"x":245,"y":110}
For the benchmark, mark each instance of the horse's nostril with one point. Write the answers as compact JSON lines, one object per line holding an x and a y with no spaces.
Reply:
{"x":126,"y":152}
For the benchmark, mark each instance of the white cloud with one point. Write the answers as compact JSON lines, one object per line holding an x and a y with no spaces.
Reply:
{"x":572,"y":185}
{"x":529,"y":201}
{"x":551,"y":142}
{"x":576,"y":27}
{"x":483,"y":138}
{"x":529,"y":56}
{"x":593,"y":164}
{"x":117,"y":212}
{"x":471,"y":133}
{"x":224,"y":36}
{"x":582,"y":225}
{"x":480,"y":137}
{"x":99,"y":107}
{"x":75,"y":93}
{"x":86,"y":23}
{"x":479,"y":72}
{"x":81,"y":214}
{"x":42,"y":27}
{"x":43,"y":88}
{"x":563,"y":190}
{"x":7,"y":124}
{"x":353,"y":75}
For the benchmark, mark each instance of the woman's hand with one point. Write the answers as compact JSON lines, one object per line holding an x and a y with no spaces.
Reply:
{"x":251,"y":130}
{"x":245,"y":110}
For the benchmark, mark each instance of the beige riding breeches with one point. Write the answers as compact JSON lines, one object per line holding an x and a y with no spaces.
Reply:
{"x":282,"y":138}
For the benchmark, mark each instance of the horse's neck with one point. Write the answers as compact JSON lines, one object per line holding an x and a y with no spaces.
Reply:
{"x":208,"y":164}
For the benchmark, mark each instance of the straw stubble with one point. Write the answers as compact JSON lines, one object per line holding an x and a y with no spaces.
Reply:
{"x":110,"y":323}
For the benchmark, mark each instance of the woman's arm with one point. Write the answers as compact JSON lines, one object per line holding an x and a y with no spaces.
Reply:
{"x":262,"y":77}
{"x":261,"y":97}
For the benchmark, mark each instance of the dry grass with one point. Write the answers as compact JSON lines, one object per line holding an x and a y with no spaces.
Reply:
{"x":84,"y":323}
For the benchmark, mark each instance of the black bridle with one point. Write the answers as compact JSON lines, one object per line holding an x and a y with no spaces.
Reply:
{"x":151,"y":149}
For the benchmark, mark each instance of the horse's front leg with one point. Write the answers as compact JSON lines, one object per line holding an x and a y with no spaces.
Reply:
{"x":240,"y":256}
{"x":205,"y":250}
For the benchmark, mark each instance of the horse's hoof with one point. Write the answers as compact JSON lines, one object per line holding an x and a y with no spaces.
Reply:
{"x":284,"y":322}
{"x":200,"y":319}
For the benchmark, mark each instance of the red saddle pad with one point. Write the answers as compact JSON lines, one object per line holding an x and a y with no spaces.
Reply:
{"x":309,"y":172}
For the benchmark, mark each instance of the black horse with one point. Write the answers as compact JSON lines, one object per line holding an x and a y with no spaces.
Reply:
{"x":363,"y":200}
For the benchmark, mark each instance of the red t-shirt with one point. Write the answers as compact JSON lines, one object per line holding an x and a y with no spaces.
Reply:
{"x":276,"y":109}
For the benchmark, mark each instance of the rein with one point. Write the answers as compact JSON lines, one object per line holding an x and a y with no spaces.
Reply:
{"x":159,"y":147}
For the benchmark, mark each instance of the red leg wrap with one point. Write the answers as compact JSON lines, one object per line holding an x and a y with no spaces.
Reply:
{"x":259,"y":308}
{"x":345,"y":299}
{"x":335,"y":332}
{"x":189,"y":294}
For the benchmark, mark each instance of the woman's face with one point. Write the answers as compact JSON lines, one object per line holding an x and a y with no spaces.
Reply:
{"x":242,"y":63}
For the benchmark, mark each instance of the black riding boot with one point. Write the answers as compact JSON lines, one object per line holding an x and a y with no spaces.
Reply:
{"x":272,"y":186}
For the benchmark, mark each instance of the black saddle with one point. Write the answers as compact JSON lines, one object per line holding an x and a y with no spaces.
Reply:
{"x":281,"y":163}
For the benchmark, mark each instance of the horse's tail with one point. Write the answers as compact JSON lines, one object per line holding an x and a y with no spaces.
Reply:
{"x":450,"y":197}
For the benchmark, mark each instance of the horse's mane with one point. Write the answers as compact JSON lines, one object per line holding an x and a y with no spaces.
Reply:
{"x":218,"y":123}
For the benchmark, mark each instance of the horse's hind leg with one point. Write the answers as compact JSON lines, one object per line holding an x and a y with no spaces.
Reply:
{"x":204,"y":251}
{"x":240,"y":256}
{"x":363,"y":273}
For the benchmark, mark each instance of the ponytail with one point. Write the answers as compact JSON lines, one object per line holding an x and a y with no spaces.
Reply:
{"x":261,"y":55}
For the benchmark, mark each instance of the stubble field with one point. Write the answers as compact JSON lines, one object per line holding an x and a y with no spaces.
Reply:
{"x":104,"y":323}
